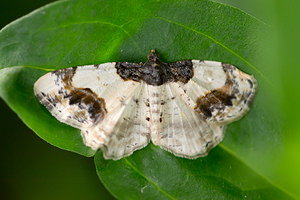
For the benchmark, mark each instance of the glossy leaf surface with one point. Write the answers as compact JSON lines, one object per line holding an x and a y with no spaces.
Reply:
{"x":81,"y":32}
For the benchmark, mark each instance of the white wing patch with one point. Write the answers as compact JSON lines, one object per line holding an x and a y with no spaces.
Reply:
{"x":119,"y":110}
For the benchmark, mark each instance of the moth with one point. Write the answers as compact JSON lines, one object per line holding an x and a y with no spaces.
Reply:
{"x":183,"y":107}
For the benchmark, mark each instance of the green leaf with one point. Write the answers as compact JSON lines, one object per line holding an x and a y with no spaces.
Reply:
{"x":80,"y":32}
{"x":16,"y":88}
{"x":156,"y":174}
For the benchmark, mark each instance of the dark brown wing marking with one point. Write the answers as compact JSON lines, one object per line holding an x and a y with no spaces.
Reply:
{"x":216,"y":101}
{"x":85,"y":98}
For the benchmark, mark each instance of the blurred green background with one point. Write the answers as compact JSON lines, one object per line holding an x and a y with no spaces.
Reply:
{"x":32,"y":169}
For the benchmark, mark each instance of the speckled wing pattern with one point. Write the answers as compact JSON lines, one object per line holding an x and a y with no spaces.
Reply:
{"x":182,"y":107}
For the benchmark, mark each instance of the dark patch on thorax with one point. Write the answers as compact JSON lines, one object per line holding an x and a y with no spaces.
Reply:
{"x":155,"y":72}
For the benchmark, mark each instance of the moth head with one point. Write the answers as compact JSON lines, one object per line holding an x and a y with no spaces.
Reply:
{"x":153,"y":57}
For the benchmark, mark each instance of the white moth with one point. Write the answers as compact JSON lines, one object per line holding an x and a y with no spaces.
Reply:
{"x":182,"y":107}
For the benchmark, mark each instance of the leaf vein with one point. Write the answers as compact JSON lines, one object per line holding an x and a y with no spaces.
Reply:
{"x":218,"y":43}
{"x":268,"y":180}
{"x":103,"y":23}
{"x":149,"y":180}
